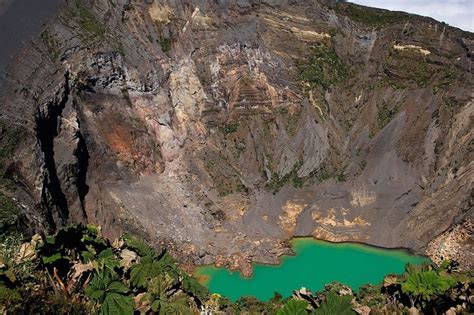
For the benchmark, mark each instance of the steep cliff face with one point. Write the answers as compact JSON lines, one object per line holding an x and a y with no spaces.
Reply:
{"x":222,"y":128}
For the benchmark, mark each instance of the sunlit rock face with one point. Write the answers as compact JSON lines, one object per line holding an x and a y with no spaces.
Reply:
{"x":223,"y":128}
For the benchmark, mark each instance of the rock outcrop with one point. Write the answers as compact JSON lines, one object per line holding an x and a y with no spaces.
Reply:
{"x":223,"y":128}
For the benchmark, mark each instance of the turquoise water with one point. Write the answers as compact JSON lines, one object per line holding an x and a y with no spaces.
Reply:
{"x":315,"y":264}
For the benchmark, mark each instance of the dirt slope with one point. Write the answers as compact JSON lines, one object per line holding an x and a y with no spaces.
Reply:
{"x":223,"y":128}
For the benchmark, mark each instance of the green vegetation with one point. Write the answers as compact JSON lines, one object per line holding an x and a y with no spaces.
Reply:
{"x":323,"y":173}
{"x":430,"y":289}
{"x":165,"y":39}
{"x":53,"y":45}
{"x":292,"y":178}
{"x":372,"y":296}
{"x":87,"y":275}
{"x":323,"y":68}
{"x":294,"y":307}
{"x":165,"y":43}
{"x":335,"y":304}
{"x":231,"y":127}
{"x":406,"y":69}
{"x":291,"y":119}
{"x":424,"y":285}
{"x":341,"y":176}
{"x":370,"y":16}
{"x":77,"y":271}
{"x":107,"y":290}
{"x":91,"y":28}
{"x":445,"y":81}
{"x":451,"y":102}
{"x":277,"y":182}
{"x":11,"y":219}
{"x":9,"y":139}
{"x":385,"y":113}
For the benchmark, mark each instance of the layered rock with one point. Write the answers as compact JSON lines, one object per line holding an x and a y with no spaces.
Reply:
{"x":222,"y":129}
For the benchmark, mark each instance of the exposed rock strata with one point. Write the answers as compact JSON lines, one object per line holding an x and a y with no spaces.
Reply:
{"x":195,"y":125}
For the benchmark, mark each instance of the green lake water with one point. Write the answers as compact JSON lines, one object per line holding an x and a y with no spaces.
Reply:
{"x":315,"y":264}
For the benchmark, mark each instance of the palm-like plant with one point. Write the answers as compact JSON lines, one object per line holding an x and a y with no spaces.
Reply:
{"x":423,"y":285}
{"x":335,"y":304}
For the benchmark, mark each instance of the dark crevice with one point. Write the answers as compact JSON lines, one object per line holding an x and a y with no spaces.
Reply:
{"x":47,"y":125}
{"x":82,"y":155}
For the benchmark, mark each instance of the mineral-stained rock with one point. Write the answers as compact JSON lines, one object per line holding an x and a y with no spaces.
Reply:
{"x":224,"y":127}
{"x":455,"y":244}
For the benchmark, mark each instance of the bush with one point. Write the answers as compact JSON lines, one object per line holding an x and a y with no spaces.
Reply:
{"x":323,"y":68}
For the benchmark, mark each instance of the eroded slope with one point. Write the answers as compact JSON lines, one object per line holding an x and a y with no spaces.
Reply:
{"x":222,"y":129}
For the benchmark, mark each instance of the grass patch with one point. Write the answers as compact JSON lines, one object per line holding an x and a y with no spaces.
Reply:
{"x":405,"y":69}
{"x":11,"y":217}
{"x":230,"y":127}
{"x":165,"y":39}
{"x":278,"y":182}
{"x":451,"y":102}
{"x":53,"y":45}
{"x":341,"y":177}
{"x":323,"y":174}
{"x":291,"y":119}
{"x":91,"y":28}
{"x":370,"y":16}
{"x":9,"y":140}
{"x":323,"y":68}
{"x":89,"y":23}
{"x":166,"y":43}
{"x":446,"y":80}
{"x":385,"y":113}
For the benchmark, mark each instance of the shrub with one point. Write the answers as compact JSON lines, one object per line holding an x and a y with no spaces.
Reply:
{"x":335,"y":304}
{"x":323,"y":68}
{"x":423,"y":285}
